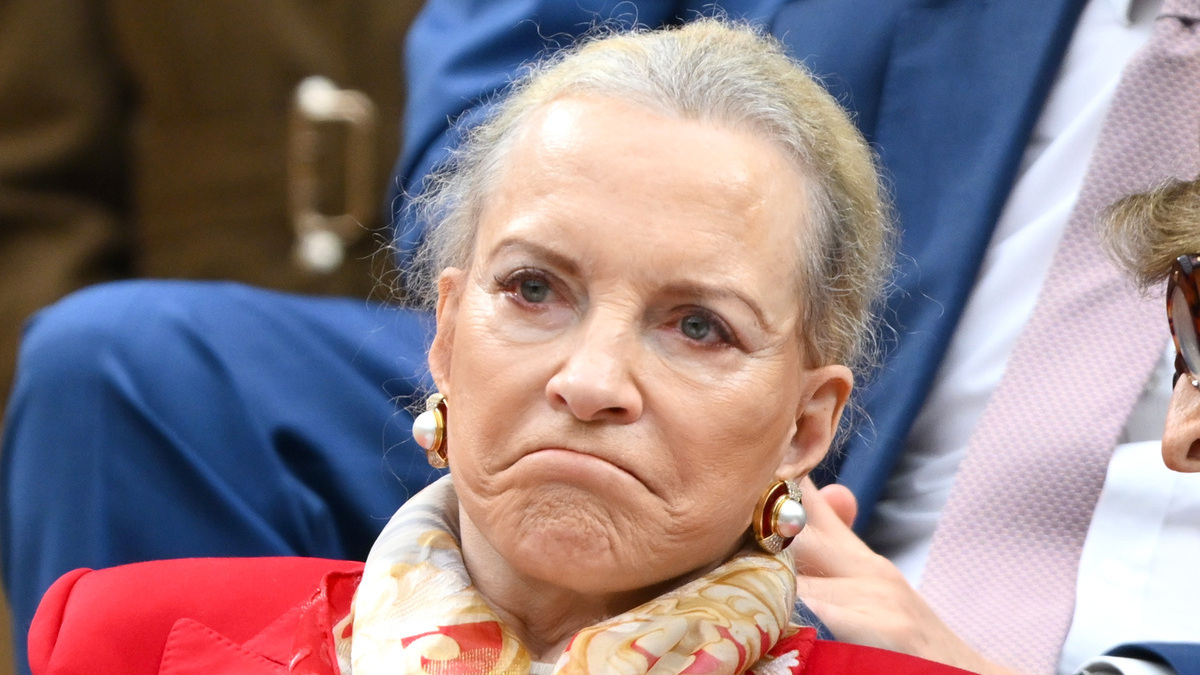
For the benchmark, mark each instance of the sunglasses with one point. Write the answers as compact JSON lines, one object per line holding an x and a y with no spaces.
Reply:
{"x":1183,"y":314}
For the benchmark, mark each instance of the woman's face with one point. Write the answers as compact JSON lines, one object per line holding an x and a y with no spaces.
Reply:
{"x":622,"y":359}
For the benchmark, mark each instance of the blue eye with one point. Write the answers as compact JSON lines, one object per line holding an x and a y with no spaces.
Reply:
{"x":527,"y":286}
{"x":534,"y":290}
{"x":696,"y":327}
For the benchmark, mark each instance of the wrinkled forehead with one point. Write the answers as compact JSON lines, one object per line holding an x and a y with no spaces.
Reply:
{"x":604,"y":139}
{"x":609,"y":176}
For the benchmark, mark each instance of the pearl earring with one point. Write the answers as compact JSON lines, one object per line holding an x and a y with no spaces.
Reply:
{"x":429,"y":429}
{"x":779,"y":516}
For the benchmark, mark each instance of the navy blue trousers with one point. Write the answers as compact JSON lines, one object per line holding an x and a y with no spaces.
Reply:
{"x":155,"y":419}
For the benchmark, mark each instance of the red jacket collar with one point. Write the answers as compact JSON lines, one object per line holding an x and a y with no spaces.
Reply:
{"x":300,"y":641}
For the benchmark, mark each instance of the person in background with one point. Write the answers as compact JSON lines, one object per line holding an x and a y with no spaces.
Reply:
{"x":984,"y":115}
{"x":1156,"y":237}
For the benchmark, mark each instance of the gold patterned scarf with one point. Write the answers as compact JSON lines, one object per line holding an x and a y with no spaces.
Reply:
{"x":416,"y":611}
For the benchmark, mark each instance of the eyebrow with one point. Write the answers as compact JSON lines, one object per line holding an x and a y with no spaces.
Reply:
{"x":544,"y":252}
{"x":680,"y":288}
{"x":708,"y":291}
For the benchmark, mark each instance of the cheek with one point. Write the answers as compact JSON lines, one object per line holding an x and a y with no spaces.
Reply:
{"x":493,"y":383}
{"x":729,"y":441}
{"x":488,"y":343}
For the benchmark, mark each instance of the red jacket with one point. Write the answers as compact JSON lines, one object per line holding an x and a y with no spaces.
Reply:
{"x":258,"y":616}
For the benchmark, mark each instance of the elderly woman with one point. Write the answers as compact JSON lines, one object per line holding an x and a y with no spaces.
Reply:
{"x":654,"y":269}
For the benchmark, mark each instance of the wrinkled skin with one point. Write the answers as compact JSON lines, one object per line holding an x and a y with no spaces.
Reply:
{"x":623,"y":363}
{"x":1181,"y":437}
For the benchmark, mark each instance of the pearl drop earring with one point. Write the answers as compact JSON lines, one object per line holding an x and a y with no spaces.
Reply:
{"x":779,"y":516}
{"x":429,"y":430}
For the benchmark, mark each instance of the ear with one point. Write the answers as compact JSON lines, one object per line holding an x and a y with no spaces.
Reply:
{"x":823,"y":399}
{"x":450,"y":288}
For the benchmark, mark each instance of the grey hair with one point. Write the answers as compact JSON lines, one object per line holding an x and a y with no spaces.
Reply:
{"x":710,"y":70}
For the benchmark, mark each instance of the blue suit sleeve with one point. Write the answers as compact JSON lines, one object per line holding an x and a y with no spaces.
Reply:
{"x":1184,"y":657}
{"x":460,"y":53}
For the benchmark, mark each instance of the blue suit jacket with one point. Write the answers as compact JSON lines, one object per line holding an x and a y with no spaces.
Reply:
{"x":948,"y":91}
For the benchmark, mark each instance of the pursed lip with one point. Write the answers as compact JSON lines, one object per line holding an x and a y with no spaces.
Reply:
{"x":602,"y":456}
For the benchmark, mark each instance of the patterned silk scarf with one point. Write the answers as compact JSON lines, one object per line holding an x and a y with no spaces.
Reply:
{"x":416,"y":611}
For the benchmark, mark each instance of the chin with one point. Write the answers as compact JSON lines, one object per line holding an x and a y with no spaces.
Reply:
{"x":572,"y":541}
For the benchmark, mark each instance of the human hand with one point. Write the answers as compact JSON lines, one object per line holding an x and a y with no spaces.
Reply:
{"x":861,"y":596}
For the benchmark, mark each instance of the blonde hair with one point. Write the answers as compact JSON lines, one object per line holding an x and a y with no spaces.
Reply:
{"x":711,"y":70}
{"x":1146,"y":232}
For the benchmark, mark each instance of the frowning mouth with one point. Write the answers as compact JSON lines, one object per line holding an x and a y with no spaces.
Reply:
{"x":571,"y":463}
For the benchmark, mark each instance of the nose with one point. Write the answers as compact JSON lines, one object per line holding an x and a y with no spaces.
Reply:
{"x":1181,"y":437}
{"x":596,"y":381}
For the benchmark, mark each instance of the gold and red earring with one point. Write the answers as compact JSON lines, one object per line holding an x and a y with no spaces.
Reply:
{"x":779,"y":516}
{"x":429,"y":429}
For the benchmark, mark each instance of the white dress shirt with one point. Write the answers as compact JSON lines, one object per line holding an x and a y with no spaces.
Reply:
{"x":1146,"y":530}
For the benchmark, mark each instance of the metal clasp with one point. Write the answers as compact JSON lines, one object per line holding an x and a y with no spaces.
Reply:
{"x":321,"y":239}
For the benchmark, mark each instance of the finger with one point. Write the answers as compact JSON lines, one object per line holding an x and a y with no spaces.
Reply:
{"x":884,"y":613}
{"x":826,"y":517}
{"x":827,"y":547}
{"x":851,"y":593}
{"x":821,"y":513}
{"x":842,"y":501}
{"x":840,"y":605}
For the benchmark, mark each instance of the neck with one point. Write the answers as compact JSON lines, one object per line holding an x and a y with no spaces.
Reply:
{"x":543,"y":614}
